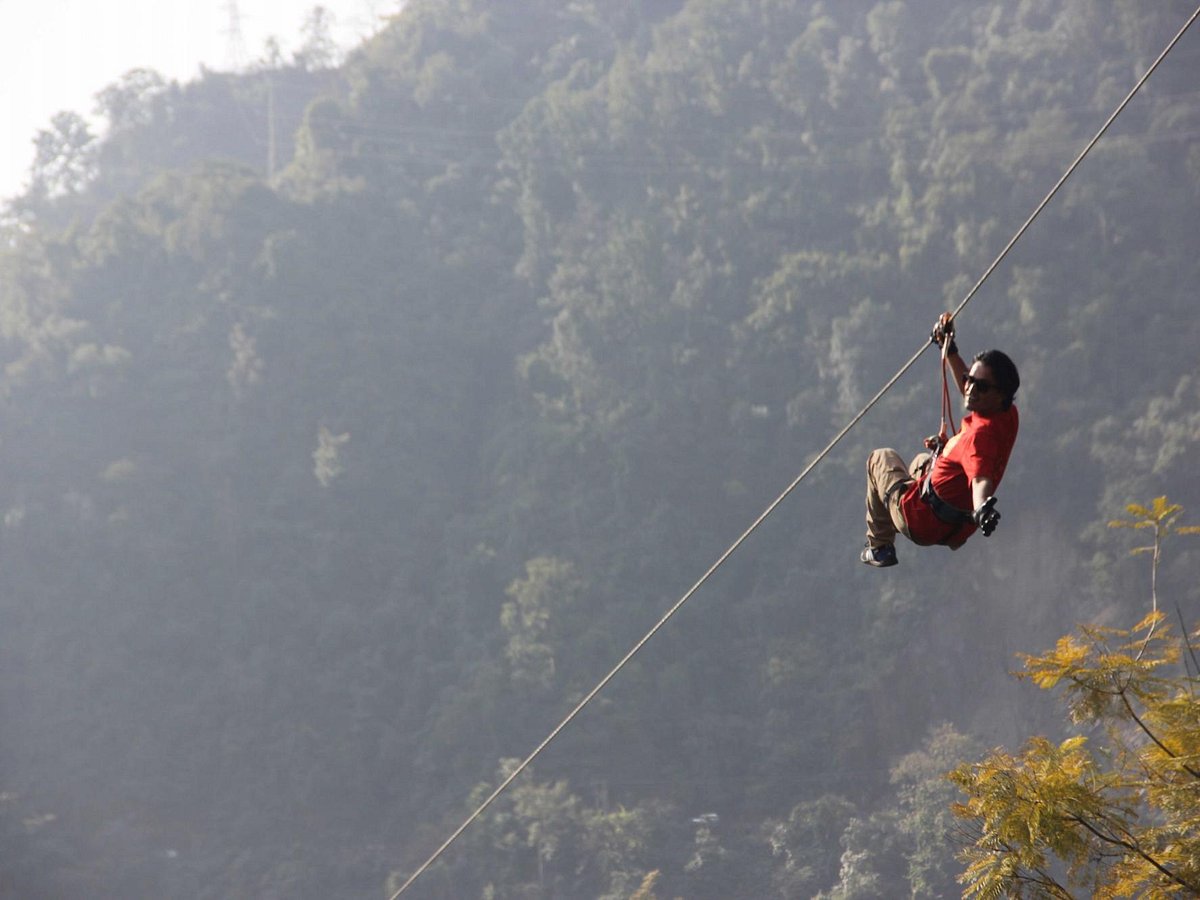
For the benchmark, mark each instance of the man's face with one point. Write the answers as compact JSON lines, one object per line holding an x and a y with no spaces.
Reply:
{"x":982,"y":395}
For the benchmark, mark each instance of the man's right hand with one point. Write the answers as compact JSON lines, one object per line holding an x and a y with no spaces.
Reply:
{"x":943,"y":329}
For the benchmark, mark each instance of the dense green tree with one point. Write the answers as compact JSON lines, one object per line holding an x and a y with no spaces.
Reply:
{"x":541,"y":840}
{"x":530,"y":619}
{"x":805,"y":846}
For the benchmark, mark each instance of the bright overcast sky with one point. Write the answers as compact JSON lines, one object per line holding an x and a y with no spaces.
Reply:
{"x":57,"y":54}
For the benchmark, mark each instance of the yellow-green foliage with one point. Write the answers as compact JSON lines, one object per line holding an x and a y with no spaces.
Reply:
{"x":1159,"y":515}
{"x":1077,"y":819}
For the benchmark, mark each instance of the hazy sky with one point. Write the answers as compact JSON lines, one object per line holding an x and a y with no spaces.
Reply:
{"x":57,"y":54}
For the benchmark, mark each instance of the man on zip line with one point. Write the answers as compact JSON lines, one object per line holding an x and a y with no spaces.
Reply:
{"x":944,"y":495}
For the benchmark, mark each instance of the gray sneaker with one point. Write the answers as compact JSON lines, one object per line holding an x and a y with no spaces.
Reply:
{"x":880,"y":557}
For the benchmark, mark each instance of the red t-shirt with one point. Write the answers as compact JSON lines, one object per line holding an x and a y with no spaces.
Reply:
{"x":980,"y":449}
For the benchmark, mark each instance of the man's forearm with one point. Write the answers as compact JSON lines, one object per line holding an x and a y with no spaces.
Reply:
{"x":958,"y":366}
{"x":981,"y":489}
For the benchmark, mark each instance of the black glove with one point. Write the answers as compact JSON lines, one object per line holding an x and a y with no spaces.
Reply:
{"x":986,"y":517}
{"x":943,"y":329}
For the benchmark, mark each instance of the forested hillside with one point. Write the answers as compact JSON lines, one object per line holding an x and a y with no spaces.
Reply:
{"x":336,"y":467}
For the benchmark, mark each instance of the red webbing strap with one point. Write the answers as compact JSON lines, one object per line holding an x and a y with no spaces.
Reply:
{"x":947,"y":403}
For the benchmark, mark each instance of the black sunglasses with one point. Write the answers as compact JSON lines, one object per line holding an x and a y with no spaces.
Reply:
{"x":979,"y":384}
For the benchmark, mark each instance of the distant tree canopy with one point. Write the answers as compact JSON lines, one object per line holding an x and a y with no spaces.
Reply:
{"x":359,"y":411}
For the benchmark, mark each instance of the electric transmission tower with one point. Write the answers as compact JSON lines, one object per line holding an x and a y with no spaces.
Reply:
{"x":235,"y":44}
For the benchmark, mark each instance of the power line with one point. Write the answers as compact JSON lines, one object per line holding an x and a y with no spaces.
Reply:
{"x":795,"y":483}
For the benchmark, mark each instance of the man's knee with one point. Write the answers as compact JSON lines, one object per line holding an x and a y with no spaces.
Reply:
{"x":883,"y":456}
{"x":882,"y":462}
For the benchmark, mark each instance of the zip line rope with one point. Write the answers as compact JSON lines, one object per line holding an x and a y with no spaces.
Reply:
{"x":795,"y":483}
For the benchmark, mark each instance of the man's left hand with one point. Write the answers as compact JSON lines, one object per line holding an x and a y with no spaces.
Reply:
{"x":987,"y":516}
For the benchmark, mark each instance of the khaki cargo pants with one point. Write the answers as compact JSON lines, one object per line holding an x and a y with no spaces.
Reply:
{"x":887,"y":480}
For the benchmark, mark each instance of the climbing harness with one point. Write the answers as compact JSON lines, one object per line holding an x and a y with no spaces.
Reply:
{"x":945,"y":512}
{"x":482,"y":808}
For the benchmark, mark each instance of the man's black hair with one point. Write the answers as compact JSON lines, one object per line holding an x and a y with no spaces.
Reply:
{"x":1004,"y":370}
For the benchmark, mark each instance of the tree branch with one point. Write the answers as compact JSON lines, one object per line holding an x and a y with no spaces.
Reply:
{"x":1137,"y":851}
{"x":1044,"y":879}
{"x":1187,"y":642}
{"x":1150,"y":734}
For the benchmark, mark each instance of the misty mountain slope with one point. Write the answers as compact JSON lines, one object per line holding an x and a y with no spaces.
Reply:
{"x":327,"y":491}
